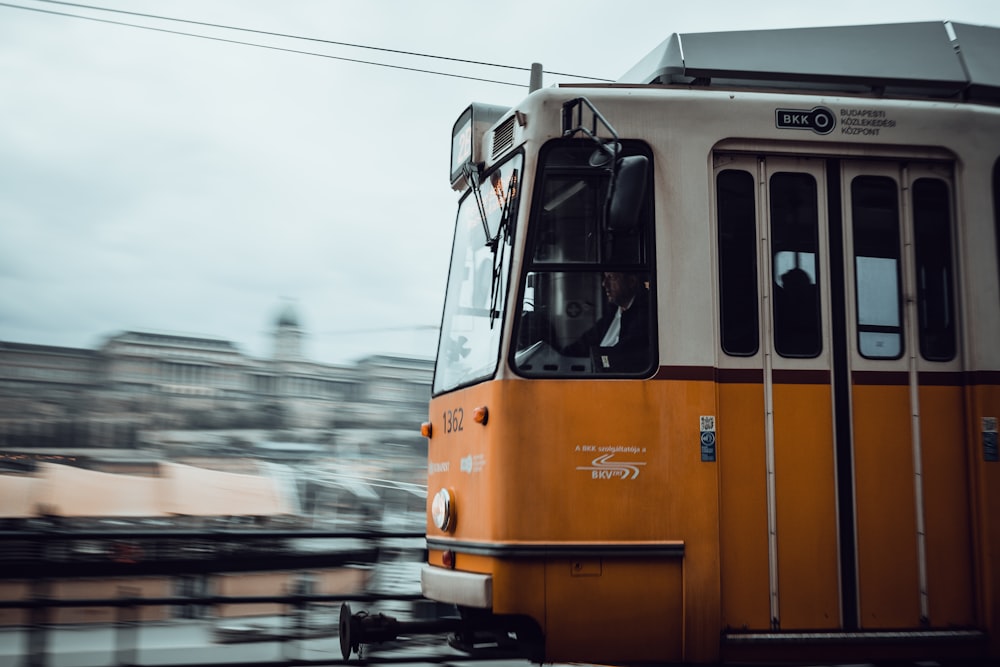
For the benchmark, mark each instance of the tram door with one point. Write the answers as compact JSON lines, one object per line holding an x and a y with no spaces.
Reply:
{"x":855,"y":470}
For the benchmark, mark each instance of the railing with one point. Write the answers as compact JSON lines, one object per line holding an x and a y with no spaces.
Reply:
{"x":38,"y":564}
{"x":297,"y":627}
{"x":68,"y":553}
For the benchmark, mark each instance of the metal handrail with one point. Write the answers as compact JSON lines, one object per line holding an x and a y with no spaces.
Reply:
{"x":55,"y":543}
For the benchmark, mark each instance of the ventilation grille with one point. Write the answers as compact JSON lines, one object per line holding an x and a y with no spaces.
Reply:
{"x":503,"y":137}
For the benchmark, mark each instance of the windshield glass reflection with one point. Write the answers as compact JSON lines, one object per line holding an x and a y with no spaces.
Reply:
{"x":470,"y":329}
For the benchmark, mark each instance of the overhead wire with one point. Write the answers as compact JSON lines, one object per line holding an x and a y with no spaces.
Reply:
{"x":283,"y":36}
{"x":309,"y":39}
{"x":261,"y":46}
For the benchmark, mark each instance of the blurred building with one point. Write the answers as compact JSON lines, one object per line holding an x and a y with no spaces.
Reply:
{"x":123,"y":468}
{"x":58,"y":397}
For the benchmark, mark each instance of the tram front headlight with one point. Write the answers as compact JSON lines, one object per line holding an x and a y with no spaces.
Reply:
{"x":443,"y":510}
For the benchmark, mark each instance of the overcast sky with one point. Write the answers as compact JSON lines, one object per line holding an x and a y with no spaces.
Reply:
{"x":160,"y":182}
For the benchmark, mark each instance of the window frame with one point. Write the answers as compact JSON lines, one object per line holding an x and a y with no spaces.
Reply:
{"x":729,"y":288}
{"x":859,"y":327}
{"x":532,"y":267}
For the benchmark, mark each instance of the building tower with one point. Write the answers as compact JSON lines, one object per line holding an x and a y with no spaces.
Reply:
{"x":288,"y":335}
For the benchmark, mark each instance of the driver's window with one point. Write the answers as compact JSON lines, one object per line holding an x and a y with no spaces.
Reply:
{"x":586,"y":302}
{"x":568,"y":215}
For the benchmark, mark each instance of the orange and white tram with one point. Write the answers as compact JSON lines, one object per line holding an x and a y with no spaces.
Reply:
{"x":719,"y":368}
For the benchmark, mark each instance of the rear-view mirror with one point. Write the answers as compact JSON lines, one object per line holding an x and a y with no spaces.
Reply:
{"x":628,"y":185}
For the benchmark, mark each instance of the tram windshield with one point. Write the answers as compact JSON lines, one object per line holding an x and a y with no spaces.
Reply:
{"x":469,"y":347}
{"x":586,"y":303}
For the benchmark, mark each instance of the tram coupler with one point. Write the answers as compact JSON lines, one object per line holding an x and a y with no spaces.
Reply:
{"x":364,"y":628}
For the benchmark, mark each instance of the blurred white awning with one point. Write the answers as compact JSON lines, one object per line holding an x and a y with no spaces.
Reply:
{"x":76,"y":492}
{"x":67,"y":491}
{"x":195,"y":491}
{"x":17,"y":494}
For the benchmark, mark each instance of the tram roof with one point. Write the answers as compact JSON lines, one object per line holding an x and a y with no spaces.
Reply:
{"x":927,"y":59}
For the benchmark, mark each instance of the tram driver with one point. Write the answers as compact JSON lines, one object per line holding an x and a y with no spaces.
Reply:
{"x":619,"y":340}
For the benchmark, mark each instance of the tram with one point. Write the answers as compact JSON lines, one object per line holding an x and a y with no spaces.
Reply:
{"x":719,"y":369}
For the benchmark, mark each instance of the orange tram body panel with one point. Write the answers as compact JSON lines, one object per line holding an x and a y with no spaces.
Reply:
{"x":719,"y":369}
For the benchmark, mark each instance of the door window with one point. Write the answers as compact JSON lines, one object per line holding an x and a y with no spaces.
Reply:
{"x":794,"y":241}
{"x":875,"y":215}
{"x":737,"y":217}
{"x":932,"y":242}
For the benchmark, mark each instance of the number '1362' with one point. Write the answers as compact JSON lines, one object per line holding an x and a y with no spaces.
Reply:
{"x":453,"y":420}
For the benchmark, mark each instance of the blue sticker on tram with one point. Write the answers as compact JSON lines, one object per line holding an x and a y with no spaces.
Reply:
{"x":708,"y":446}
{"x":990,"y":452}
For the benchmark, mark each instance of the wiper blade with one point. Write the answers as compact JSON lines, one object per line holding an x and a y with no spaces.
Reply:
{"x":498,"y":248}
{"x":473,"y":177}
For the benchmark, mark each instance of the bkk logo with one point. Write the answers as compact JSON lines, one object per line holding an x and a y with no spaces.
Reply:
{"x":604,"y":468}
{"x":818,"y":119}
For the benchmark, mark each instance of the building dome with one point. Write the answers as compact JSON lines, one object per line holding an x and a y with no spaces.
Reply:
{"x":288,"y":335}
{"x":288,"y":317}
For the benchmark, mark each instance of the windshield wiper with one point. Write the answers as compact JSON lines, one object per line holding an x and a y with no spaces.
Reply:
{"x":472,"y":175}
{"x":503,"y":227}
{"x":498,"y":248}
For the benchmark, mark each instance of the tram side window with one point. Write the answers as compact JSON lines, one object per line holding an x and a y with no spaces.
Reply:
{"x":737,"y":219}
{"x":794,"y":240}
{"x":932,"y":237}
{"x":587,"y":306}
{"x":875,"y":215}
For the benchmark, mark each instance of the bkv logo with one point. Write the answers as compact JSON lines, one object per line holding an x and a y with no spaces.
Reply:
{"x":604,"y":468}
{"x":818,"y":119}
